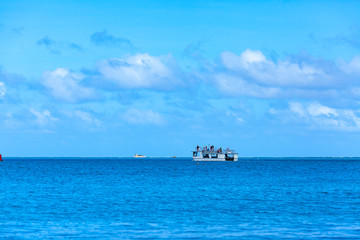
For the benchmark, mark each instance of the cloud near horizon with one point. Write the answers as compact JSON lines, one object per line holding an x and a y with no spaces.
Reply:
{"x":249,"y":74}
{"x":136,"y":72}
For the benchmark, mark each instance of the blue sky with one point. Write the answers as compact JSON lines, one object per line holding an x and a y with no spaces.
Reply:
{"x":115,"y":78}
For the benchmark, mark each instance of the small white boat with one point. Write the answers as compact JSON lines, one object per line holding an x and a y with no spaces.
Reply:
{"x":210,"y":154}
{"x":139,"y":156}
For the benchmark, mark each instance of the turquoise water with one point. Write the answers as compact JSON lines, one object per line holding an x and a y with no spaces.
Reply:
{"x":153,"y":198}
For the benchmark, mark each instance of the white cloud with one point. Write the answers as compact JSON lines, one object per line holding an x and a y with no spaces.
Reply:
{"x":142,"y":71}
{"x":249,"y":74}
{"x":297,"y":108}
{"x":352,"y":67}
{"x":64,"y":85}
{"x":85,"y":117}
{"x":2,"y":89}
{"x":252,"y":74}
{"x":234,"y":86}
{"x":255,"y":66}
{"x":316,"y":109}
{"x":43,"y":118}
{"x":320,"y":117}
{"x":137,"y":116}
{"x":248,"y":57}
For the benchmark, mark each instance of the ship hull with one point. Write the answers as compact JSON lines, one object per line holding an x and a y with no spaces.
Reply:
{"x":214,"y":157}
{"x":214,"y":160}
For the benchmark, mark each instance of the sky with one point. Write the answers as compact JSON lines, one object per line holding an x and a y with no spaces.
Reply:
{"x":115,"y":78}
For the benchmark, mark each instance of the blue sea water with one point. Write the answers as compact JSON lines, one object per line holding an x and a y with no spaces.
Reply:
{"x":176,"y":198}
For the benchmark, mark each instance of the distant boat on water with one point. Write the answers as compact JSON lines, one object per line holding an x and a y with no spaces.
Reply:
{"x":210,"y":154}
{"x":139,"y":156}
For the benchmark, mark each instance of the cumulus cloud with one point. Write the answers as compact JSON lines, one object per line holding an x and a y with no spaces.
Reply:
{"x":252,"y":74}
{"x":137,"y":116}
{"x":142,"y":71}
{"x":319,"y":116}
{"x":65,"y":85}
{"x":316,"y":109}
{"x":105,"y":39}
{"x":249,"y":74}
{"x":297,"y":108}
{"x":255,"y":66}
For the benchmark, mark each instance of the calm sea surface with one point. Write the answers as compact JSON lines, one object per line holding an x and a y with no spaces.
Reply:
{"x":153,"y":198}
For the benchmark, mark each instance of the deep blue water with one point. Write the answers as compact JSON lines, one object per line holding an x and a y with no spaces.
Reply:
{"x":266,"y":198}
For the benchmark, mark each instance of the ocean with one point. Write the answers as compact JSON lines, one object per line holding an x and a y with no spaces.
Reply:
{"x":176,"y":198}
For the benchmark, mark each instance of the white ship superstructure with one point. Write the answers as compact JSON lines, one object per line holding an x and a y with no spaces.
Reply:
{"x":210,"y":154}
